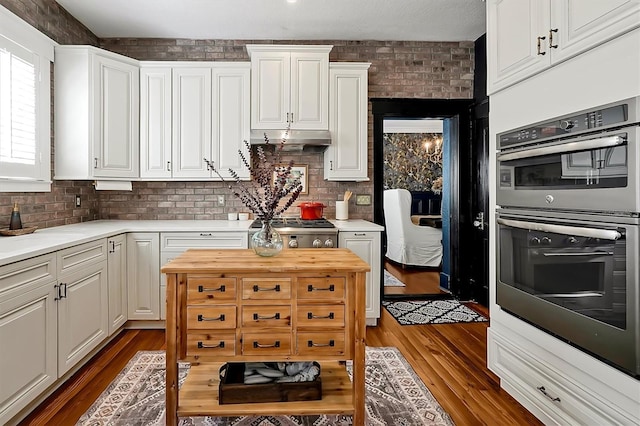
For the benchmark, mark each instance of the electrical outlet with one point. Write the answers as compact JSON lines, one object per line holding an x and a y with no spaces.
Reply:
{"x":221,"y":200}
{"x":363,"y":200}
{"x":78,"y":201}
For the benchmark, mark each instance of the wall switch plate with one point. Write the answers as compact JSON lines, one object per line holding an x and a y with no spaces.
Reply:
{"x":363,"y":200}
{"x":78,"y":201}
{"x":221,"y":200}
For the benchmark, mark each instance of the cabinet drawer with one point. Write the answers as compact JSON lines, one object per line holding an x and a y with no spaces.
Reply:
{"x":181,"y":241}
{"x":320,"y":316}
{"x":211,"y":317}
{"x":77,"y":257}
{"x":205,"y":289}
{"x":266,"y":316}
{"x":321,"y":288}
{"x":551,"y":392}
{"x":266,"y":288}
{"x":266,"y":344}
{"x":321,"y":343}
{"x":211,"y":342}
{"x":37,"y":269}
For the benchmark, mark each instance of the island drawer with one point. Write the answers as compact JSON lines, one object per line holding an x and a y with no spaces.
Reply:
{"x":321,"y":343}
{"x":266,"y":343}
{"x":211,"y":342}
{"x":211,"y":317}
{"x":205,"y":289}
{"x":320,"y":288}
{"x":266,"y":288}
{"x":320,"y":316}
{"x":266,"y":316}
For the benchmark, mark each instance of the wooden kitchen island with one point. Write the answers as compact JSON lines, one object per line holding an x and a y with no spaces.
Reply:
{"x":235,"y":306}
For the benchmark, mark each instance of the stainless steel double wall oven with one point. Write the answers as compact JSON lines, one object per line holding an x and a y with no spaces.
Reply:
{"x":568,"y":229}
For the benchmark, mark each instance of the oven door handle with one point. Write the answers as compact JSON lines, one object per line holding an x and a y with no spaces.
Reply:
{"x":591,"y":253}
{"x":603,"y":234}
{"x":565,"y":147}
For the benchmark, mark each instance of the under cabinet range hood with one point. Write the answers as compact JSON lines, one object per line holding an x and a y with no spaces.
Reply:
{"x":296,"y":139}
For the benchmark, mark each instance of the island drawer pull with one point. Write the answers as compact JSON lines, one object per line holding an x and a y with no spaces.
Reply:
{"x":264,"y":317}
{"x":203,"y":346}
{"x":258,"y":345}
{"x":311,"y":288}
{"x":311,"y":316}
{"x":545,"y":393}
{"x":320,"y":345}
{"x":203,"y":318}
{"x":202,"y":289}
{"x":257,"y":288}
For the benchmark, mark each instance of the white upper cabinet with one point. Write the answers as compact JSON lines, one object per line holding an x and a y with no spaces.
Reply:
{"x":155,"y":121}
{"x":346,"y":158}
{"x":191,"y":111}
{"x":289,"y":86}
{"x":525,"y":37}
{"x":96,"y":114}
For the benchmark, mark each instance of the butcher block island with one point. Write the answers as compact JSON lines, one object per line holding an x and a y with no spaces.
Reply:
{"x":235,"y":306}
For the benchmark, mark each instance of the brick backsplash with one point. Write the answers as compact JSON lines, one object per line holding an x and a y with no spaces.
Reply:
{"x":399,"y":69}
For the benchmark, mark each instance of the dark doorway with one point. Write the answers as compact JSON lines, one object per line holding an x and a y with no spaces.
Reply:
{"x":455,"y":203}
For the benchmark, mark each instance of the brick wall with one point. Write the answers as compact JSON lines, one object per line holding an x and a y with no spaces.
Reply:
{"x":408,"y":69}
{"x":399,"y":69}
{"x":46,"y":209}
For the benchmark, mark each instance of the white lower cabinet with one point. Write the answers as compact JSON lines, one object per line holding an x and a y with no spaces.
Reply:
{"x":367,"y":246}
{"x":541,"y":382}
{"x":143,"y":275}
{"x":117,"y":277}
{"x":28,"y":332}
{"x":83,"y":302}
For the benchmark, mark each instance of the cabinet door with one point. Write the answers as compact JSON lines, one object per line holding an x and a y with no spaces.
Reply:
{"x":143,"y":276}
{"x":270,"y":89}
{"x":513,"y":30}
{"x":584,"y":24}
{"x":155,"y":122}
{"x":28,"y":333}
{"x":83,"y":314}
{"x":117,"y":277}
{"x":309,"y":96}
{"x":115,"y":123}
{"x":346,"y":157}
{"x":191,"y":122}
{"x":231,"y":126}
{"x":367,"y":246}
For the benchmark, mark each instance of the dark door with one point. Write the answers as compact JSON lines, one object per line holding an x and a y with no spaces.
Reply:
{"x":476,"y":223}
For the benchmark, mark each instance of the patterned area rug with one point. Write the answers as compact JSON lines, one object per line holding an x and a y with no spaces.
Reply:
{"x":391,"y":281}
{"x":413,"y":312}
{"x":395,"y":395}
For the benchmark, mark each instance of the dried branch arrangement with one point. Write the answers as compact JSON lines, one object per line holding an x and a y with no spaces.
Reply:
{"x":263,"y":194}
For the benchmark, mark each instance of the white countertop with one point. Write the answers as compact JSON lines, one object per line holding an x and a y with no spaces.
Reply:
{"x":16,"y":248}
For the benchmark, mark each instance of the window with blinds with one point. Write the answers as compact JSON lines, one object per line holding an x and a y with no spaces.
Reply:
{"x":25,"y":106}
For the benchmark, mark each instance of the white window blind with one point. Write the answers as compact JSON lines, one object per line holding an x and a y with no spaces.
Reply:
{"x":25,"y":106}
{"x":18,"y":131}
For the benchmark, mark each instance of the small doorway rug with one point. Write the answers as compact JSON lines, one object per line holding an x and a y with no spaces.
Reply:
{"x":447,"y":311}
{"x":391,"y":281}
{"x":395,"y":395}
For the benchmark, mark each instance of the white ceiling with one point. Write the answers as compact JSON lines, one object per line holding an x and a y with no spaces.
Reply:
{"x":422,"y":20}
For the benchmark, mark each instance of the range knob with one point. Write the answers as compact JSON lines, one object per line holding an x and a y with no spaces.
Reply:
{"x":567,"y":124}
{"x":535,"y":241}
{"x":573,"y":240}
{"x":545,"y":241}
{"x":328,"y":243}
{"x":293,"y":243}
{"x":317,"y":243}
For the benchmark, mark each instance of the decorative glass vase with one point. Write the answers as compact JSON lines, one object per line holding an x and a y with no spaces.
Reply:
{"x":267,"y":241}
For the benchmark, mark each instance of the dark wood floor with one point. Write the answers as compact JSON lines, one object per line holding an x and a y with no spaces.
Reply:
{"x":450,"y":359}
{"x":416,"y":280}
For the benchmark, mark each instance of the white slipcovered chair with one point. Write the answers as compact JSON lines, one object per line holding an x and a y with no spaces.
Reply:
{"x":408,"y":243}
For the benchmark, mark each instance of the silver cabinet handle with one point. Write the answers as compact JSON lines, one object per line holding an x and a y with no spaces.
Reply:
{"x":257,"y":288}
{"x":218,"y":318}
{"x":311,"y":316}
{"x":551,"y":45}
{"x":540,"y":39}
{"x":311,"y":288}
{"x":62,"y":291}
{"x":257,"y":317}
{"x":259,"y":345}
{"x":202,"y":289}
{"x":95,"y":162}
{"x":310,"y":344}
{"x":203,"y":346}
{"x":168,"y":166}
